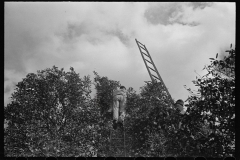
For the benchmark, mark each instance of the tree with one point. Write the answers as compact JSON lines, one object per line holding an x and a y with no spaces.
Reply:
{"x":104,"y":88}
{"x":215,"y":107}
{"x":49,"y":110}
{"x":151,"y":117}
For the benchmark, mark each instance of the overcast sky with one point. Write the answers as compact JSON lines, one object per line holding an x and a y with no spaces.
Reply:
{"x":100,"y":36}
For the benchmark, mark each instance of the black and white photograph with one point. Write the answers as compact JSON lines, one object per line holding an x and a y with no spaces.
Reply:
{"x":119,"y":79}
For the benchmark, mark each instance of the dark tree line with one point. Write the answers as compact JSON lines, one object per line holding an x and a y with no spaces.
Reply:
{"x":51,"y":113}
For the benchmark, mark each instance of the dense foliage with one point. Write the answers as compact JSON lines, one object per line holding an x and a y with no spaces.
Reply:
{"x":53,"y":114}
{"x":215,"y":106}
{"x":104,"y":88}
{"x":50,"y":114}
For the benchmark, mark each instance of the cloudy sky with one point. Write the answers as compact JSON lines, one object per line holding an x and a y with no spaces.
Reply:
{"x":100,"y":36}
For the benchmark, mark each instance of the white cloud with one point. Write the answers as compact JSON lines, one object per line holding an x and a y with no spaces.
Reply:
{"x":101,"y":36}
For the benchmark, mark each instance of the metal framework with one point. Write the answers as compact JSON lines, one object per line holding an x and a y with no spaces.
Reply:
{"x":145,"y":54}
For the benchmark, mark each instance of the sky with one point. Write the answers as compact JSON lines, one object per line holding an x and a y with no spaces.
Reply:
{"x":100,"y":36}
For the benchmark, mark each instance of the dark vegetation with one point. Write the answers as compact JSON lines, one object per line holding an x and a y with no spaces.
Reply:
{"x":51,"y":113}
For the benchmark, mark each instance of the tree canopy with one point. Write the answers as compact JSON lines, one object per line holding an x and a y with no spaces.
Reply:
{"x":49,"y":110}
{"x":51,"y":113}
